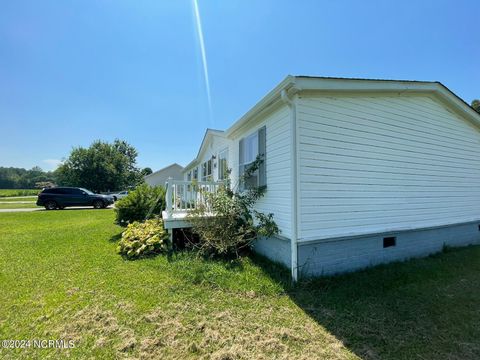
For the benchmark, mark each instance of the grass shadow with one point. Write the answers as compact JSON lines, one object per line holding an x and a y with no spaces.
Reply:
{"x":116,"y":237}
{"x":424,"y":308}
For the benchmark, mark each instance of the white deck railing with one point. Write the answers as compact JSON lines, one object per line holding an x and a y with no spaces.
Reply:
{"x":183,"y":196}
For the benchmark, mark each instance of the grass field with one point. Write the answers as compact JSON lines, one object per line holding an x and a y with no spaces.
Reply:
{"x":61,"y":279}
{"x":18,"y":192}
{"x":14,"y":199}
{"x":13,"y":205}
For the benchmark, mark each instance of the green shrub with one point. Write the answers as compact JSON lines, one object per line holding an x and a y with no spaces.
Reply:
{"x":142,"y":239}
{"x":235,"y":223}
{"x":143,"y":203}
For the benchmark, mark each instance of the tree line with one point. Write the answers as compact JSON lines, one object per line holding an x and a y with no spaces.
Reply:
{"x":19,"y":178}
{"x":100,"y":167}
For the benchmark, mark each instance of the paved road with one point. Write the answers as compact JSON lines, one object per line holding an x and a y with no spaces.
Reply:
{"x":42,"y":209}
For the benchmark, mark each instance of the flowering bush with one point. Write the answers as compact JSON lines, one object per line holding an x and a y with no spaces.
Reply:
{"x":143,"y":239}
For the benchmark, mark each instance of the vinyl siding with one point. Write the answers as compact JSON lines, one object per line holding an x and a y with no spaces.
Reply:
{"x":277,"y":199}
{"x":159,"y":178}
{"x":384,"y":163}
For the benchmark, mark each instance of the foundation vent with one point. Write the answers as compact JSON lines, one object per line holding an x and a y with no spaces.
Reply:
{"x":389,"y":241}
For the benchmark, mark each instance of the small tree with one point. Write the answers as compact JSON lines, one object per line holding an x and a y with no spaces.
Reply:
{"x":227,"y":222}
{"x":146,"y":171}
{"x":101,"y":167}
{"x":476,"y":105}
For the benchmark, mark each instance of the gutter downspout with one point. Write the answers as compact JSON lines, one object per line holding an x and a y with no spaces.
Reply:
{"x":294,"y":227}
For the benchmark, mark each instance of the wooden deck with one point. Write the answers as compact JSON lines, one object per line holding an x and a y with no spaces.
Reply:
{"x":176,"y":220}
{"x":181,"y":198}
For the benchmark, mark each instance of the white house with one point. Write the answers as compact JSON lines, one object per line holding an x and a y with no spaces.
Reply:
{"x":159,"y":177}
{"x":358,"y":172}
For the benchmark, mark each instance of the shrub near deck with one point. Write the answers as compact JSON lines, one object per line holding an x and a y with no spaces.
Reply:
{"x":143,"y":239}
{"x":62,"y":278}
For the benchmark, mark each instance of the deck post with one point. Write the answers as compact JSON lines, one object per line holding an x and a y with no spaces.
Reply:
{"x":170,"y":239}
{"x":169,"y":185}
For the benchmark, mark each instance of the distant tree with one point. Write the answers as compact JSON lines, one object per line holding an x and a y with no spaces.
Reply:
{"x":19,"y":178}
{"x":476,"y":105}
{"x":146,"y":171}
{"x":101,"y":167}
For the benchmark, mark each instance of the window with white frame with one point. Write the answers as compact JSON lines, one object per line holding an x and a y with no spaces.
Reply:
{"x":250,"y":147}
{"x":189,"y":176}
{"x":207,"y":170}
{"x":195,"y":173}
{"x":223,"y":165}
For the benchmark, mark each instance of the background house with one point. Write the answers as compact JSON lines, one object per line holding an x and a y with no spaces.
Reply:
{"x":160,"y":177}
{"x":358,"y":172}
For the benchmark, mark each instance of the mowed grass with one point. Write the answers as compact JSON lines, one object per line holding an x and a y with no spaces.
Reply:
{"x":16,"y":199}
{"x":18,"y":192}
{"x":15,"y":205}
{"x":62,"y":279}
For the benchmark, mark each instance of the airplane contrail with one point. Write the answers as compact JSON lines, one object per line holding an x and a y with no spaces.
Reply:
{"x":204,"y":56}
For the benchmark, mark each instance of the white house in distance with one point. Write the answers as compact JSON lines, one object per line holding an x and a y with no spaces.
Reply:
{"x":358,"y":171}
{"x":159,"y":177}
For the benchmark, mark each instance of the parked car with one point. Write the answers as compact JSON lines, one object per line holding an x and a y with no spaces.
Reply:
{"x":119,"y":195}
{"x":61,"y":197}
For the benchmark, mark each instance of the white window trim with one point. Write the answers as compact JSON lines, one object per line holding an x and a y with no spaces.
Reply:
{"x":219,"y":157}
{"x":245,"y":139}
{"x":207,"y":175}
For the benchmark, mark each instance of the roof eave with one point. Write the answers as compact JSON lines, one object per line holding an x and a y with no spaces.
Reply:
{"x":162,"y":169}
{"x":296,"y":84}
{"x":208,"y":133}
{"x":267,"y":100}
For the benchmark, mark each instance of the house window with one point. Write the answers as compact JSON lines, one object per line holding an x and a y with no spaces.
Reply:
{"x":189,"y":176}
{"x":249,"y":148}
{"x":195,"y":173}
{"x":207,"y":170}
{"x":223,"y":165}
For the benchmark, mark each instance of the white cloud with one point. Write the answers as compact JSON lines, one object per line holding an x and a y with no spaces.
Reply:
{"x":51,"y":164}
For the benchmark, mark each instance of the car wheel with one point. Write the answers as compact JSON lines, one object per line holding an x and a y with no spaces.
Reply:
{"x":50,"y":205}
{"x":98,"y":204}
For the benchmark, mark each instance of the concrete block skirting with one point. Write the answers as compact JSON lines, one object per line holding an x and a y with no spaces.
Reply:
{"x":332,"y":256}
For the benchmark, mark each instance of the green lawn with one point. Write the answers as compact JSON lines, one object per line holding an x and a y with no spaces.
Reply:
{"x":13,"y":205}
{"x":18,"y":192}
{"x":15,"y":198}
{"x":61,"y":279}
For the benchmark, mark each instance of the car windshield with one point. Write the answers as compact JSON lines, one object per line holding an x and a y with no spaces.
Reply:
{"x":87,"y":191}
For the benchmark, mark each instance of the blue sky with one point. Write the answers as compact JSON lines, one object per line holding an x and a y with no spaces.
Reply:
{"x":75,"y":71}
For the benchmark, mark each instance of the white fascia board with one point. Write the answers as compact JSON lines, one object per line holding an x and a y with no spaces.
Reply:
{"x":189,"y":166}
{"x":334,"y":85}
{"x":327,"y":85}
{"x":294,"y":84}
{"x":267,"y":100}
{"x":457,"y":104}
{"x":209,"y":134}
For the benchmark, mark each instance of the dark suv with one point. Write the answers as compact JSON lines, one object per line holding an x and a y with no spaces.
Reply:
{"x":61,"y":197}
